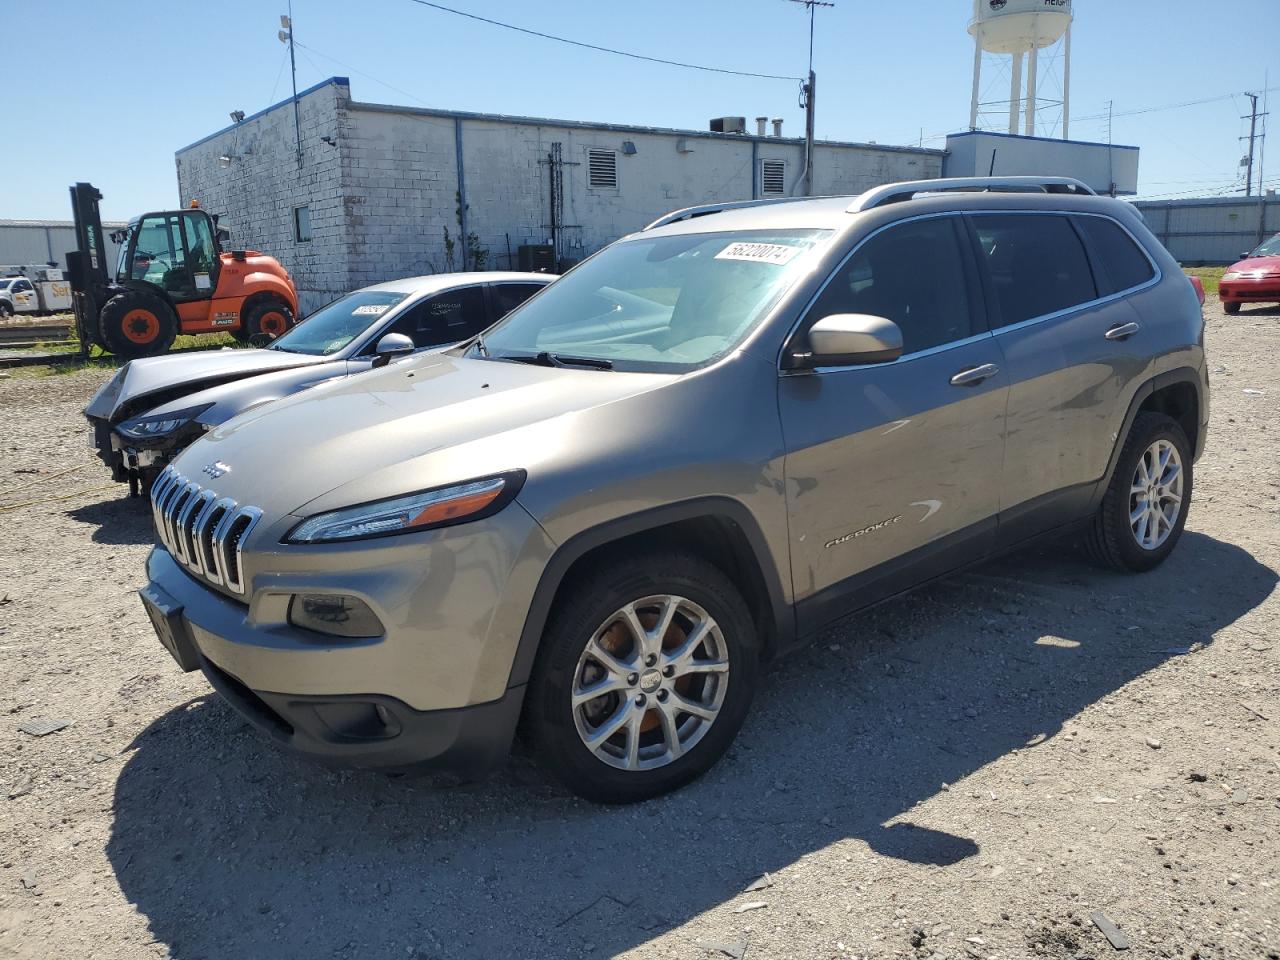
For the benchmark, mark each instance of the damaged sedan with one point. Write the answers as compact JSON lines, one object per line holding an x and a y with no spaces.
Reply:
{"x":154,"y":407}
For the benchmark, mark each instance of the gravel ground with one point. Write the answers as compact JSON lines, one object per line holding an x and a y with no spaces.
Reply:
{"x":971,"y":771}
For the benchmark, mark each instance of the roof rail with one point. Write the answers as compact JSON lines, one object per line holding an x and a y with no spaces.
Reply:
{"x":689,"y":213}
{"x":897,"y":192}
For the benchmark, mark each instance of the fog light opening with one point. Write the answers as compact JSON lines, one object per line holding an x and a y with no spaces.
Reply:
{"x":335,"y":615}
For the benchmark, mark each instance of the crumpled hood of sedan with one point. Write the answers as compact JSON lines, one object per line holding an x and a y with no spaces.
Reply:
{"x":161,"y":378}
{"x":416,"y":424}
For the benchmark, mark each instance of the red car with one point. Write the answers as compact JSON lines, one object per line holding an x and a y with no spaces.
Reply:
{"x":1255,"y":279}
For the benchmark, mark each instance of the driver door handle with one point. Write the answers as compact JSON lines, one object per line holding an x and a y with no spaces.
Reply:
{"x":1122,"y":331}
{"x":974,"y":375}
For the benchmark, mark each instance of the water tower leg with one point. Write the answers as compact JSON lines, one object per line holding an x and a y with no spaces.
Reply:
{"x":1033,"y":66}
{"x":1015,"y":92}
{"x":1066,"y":85}
{"x":977,"y":76}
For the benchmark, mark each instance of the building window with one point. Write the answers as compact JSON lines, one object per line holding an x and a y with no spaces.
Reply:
{"x":602,"y":169}
{"x":302,"y":224}
{"x":773,"y":178}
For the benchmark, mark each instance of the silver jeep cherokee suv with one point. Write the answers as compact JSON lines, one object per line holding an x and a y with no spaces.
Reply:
{"x":684,"y":458}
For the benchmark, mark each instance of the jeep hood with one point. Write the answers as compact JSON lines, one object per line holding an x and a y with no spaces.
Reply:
{"x":415,"y":424}
{"x":151,"y":381}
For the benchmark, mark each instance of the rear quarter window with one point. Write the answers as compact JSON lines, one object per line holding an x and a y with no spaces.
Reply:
{"x":1123,"y":264}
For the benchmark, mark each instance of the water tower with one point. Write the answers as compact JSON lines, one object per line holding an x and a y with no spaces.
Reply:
{"x":1019,"y":28}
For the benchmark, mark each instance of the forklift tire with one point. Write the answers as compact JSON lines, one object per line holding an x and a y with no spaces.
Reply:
{"x":137,"y":324}
{"x":265,"y":320}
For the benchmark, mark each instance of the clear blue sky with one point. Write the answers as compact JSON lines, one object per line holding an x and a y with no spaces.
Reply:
{"x":106,"y":92}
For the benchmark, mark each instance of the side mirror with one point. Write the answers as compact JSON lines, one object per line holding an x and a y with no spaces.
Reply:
{"x":392,"y":345}
{"x":224,"y":235}
{"x":845,"y":339}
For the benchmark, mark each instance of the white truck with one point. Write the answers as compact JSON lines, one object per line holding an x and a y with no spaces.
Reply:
{"x":33,"y":290}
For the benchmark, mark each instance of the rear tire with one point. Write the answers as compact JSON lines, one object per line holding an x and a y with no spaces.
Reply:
{"x":1154,"y":468}
{"x":264,"y":320}
{"x":651,"y":679}
{"x":1228,"y":307}
{"x":137,"y":324}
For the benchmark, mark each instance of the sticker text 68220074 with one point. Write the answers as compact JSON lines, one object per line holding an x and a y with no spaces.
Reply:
{"x":777,"y":253}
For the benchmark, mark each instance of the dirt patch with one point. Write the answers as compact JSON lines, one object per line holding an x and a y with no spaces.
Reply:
{"x":971,"y":771}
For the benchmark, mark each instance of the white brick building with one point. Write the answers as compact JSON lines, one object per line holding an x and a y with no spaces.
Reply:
{"x":378,"y":186}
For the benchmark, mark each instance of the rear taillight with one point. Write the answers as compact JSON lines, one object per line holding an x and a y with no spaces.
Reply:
{"x":1199,"y":288}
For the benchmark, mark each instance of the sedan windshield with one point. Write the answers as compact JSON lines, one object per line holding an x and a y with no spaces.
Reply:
{"x":656,"y":303}
{"x":1269,"y":249}
{"x":336,"y":324}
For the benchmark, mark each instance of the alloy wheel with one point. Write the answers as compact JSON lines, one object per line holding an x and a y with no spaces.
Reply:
{"x":650,"y":683}
{"x":1155,"y":494}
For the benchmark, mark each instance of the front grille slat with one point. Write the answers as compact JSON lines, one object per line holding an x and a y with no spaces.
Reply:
{"x":201,"y":531}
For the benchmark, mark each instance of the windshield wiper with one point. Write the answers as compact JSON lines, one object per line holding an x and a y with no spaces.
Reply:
{"x":547,"y":359}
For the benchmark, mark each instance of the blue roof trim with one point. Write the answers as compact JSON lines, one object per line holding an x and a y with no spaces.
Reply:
{"x":336,"y":81}
{"x":1018,"y":136}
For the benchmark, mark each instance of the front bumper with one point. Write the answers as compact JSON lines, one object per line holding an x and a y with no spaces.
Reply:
{"x":433,"y":691}
{"x":1266,"y":290}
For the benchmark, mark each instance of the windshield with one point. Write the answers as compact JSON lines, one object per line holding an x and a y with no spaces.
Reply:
{"x":336,"y":324}
{"x":1269,"y":249}
{"x":657,"y":303}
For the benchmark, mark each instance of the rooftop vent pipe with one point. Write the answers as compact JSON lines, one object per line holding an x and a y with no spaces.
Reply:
{"x":760,"y":126}
{"x":777,"y":126}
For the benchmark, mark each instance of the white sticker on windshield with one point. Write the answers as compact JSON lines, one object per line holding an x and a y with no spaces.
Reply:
{"x":202,"y":281}
{"x":370,"y":309}
{"x":778,"y":253}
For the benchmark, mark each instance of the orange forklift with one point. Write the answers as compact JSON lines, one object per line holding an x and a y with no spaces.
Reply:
{"x":172,"y":277}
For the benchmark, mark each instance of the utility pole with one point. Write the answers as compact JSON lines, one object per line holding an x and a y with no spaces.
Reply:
{"x":286,"y":36}
{"x":808,"y":100}
{"x":1253,"y":139}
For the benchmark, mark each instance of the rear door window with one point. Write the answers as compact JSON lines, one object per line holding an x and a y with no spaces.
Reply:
{"x":1037,"y":265}
{"x":444,"y":318}
{"x":913,"y":274}
{"x":1122,"y":262}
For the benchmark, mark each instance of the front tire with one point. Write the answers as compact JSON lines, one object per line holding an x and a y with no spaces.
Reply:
{"x":1231,"y":307}
{"x":6,"y":311}
{"x":646,"y":673}
{"x":137,"y":324}
{"x":1145,"y":506}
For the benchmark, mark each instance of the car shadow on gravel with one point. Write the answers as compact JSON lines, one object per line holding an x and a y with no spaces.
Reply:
{"x":119,"y":521}
{"x":231,"y":847}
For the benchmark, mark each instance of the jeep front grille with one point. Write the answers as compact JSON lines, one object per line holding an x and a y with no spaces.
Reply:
{"x":201,"y":531}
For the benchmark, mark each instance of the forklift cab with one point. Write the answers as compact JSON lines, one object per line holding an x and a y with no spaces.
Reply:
{"x":176,"y":251}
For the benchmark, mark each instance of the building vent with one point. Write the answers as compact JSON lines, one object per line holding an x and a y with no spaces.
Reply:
{"x":602,"y":169}
{"x":773,"y":177}
{"x":729,"y":125}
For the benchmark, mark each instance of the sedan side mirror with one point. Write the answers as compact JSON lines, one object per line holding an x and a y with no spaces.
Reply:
{"x":392,"y":345}
{"x":1246,"y":255}
{"x":845,"y":339}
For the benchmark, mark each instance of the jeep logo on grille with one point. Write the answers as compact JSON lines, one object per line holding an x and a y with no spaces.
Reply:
{"x":215,"y":469}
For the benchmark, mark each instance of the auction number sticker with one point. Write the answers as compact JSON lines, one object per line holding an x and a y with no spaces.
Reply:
{"x":778,"y":253}
{"x":370,"y":310}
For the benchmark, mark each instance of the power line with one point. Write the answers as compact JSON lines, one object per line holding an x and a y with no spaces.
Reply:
{"x":600,"y":49}
{"x":1167,"y":106}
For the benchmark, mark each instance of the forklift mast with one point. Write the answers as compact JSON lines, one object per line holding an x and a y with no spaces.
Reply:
{"x":87,"y":264}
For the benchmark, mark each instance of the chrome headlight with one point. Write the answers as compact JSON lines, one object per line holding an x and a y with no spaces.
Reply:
{"x":161,"y":424}
{"x":429,"y":509}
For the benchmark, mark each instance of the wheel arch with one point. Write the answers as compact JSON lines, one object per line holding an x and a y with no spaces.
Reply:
{"x":719,"y":529}
{"x":257,"y":286}
{"x":1176,"y":393}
